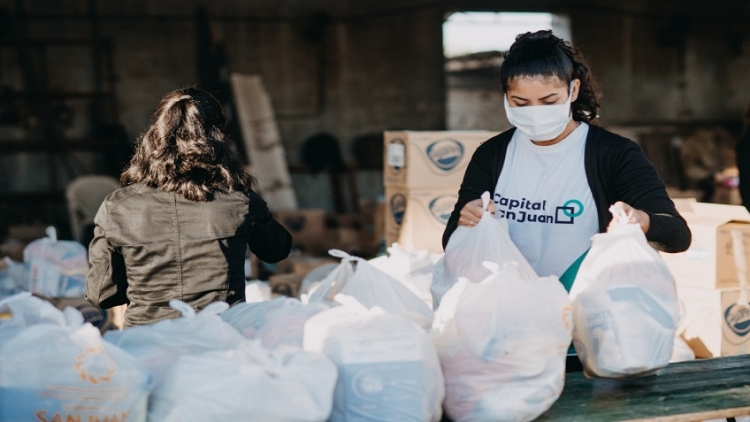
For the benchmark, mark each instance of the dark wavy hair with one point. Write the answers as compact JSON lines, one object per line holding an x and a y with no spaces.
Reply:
{"x":185,"y":151}
{"x":540,"y":53}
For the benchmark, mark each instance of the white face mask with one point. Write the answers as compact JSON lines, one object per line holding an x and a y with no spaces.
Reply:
{"x":540,"y":123}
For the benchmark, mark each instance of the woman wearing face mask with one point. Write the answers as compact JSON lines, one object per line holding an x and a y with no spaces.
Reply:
{"x":554,"y":176}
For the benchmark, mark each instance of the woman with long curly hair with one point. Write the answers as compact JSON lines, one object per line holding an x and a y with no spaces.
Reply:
{"x":182,"y":223}
{"x":555,"y":174}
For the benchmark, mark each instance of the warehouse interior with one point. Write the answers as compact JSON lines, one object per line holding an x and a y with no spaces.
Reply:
{"x":79,"y":80}
{"x":366,"y":287}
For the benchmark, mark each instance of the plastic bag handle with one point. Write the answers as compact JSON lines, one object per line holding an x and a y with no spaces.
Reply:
{"x":738,"y":248}
{"x":51,"y":232}
{"x":214,"y":308}
{"x":485,"y":200}
{"x":619,"y":214}
{"x":186,"y":310}
{"x":338,"y":253}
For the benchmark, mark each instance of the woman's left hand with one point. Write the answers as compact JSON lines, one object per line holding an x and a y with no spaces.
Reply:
{"x":634,"y":216}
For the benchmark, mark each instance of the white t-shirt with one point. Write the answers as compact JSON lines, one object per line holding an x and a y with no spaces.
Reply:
{"x":545,"y":196}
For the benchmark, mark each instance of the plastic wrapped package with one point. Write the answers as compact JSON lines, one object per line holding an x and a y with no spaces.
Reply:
{"x":55,"y":367}
{"x":469,"y":247}
{"x":502,"y":344}
{"x":388,"y":367}
{"x":275,"y":323}
{"x":246,"y":383}
{"x":357,"y":278}
{"x":158,"y":345}
{"x":625,"y":305}
{"x":56,"y":267}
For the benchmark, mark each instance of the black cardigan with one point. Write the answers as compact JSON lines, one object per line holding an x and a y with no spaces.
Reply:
{"x":616,"y":169}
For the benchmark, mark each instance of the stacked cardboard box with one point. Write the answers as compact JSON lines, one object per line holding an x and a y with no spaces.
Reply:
{"x":422,"y":175}
{"x":714,"y":321}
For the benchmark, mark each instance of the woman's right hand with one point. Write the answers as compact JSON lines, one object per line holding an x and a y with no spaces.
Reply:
{"x":472,"y":212}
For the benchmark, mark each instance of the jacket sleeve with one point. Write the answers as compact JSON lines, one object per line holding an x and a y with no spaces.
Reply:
{"x":639,"y":185}
{"x":480,"y":176}
{"x":267,"y":239}
{"x":106,"y":282}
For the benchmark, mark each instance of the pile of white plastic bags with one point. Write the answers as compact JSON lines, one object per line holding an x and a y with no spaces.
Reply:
{"x":363,"y":344}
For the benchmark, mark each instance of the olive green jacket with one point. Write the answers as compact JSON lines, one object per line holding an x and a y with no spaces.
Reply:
{"x":151,"y":246}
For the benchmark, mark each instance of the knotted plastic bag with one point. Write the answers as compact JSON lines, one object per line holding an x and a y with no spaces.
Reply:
{"x":158,"y":345}
{"x":502,"y":344}
{"x":469,"y":247}
{"x":275,"y":323}
{"x":53,"y":366}
{"x":412,"y":268}
{"x":371,"y":287}
{"x":246,"y":383}
{"x":56,"y":267}
{"x":388,"y":368}
{"x":625,"y":305}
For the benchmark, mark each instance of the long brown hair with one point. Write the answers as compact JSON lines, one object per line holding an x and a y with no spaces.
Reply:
{"x":543,"y":54}
{"x":185,"y":151}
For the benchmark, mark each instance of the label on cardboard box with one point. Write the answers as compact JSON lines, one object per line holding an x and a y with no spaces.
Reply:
{"x":416,"y":218}
{"x":714,"y":323}
{"x":396,"y":155}
{"x":429,"y":159}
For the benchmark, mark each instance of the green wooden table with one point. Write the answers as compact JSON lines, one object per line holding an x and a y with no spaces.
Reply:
{"x":686,"y":391}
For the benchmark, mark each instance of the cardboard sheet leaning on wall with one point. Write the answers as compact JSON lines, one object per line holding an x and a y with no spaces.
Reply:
{"x":260,"y":133}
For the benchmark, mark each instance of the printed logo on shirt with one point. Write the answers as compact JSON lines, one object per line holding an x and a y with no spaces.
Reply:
{"x":398,"y":207}
{"x":445,"y":154}
{"x":525,"y":210}
{"x":441,"y":207}
{"x":738,"y":319}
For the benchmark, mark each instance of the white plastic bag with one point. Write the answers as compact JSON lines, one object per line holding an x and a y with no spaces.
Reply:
{"x":12,"y":278}
{"x":412,"y":268}
{"x":55,"y":367}
{"x":358,"y":278}
{"x":388,"y":368}
{"x":257,"y":291}
{"x":25,"y":310}
{"x":277,"y":322}
{"x":158,"y":345}
{"x":56,"y":267}
{"x":625,"y":305}
{"x":246,"y":383}
{"x":312,"y":280}
{"x":502,"y":344}
{"x":469,"y":247}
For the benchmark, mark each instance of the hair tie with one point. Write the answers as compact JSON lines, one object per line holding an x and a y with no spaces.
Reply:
{"x":185,"y":97}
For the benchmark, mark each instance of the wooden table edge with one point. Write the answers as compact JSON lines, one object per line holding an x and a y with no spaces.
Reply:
{"x":700,"y":416}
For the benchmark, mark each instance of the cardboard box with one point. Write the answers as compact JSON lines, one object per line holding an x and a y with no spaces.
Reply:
{"x":429,"y":159}
{"x":712,"y":323}
{"x":372,"y":237}
{"x":307,"y":227}
{"x":303,"y":264}
{"x":285,"y":284}
{"x":416,"y":218}
{"x":709,"y":262}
